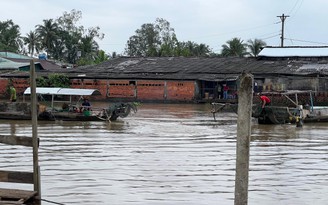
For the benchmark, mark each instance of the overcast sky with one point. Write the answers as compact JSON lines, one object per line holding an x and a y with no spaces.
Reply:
{"x":212,"y":22}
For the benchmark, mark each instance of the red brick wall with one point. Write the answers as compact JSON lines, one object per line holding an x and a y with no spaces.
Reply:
{"x":3,"y":86}
{"x":100,"y":85}
{"x":180,"y":90}
{"x":143,"y":90}
{"x":150,"y":90}
{"x":121,"y":89}
{"x":20,"y":85}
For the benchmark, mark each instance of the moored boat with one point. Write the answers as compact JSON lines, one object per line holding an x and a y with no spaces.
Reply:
{"x":297,"y":113}
{"x":68,"y":111}
{"x":280,"y":114}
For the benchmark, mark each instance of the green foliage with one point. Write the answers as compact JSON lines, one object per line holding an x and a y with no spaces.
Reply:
{"x":189,"y":49}
{"x":58,"y":80}
{"x":53,"y":80}
{"x":159,"y":39}
{"x":63,"y":40}
{"x":32,"y":41}
{"x":91,"y":59}
{"x":255,"y":46}
{"x":41,"y":82}
{"x":85,"y":61}
{"x":234,"y":47}
{"x":101,"y":57}
{"x":151,"y":39}
{"x":10,"y":39}
{"x":48,"y":34}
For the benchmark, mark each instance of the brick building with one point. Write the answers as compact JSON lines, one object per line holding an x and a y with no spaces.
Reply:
{"x":197,"y":79}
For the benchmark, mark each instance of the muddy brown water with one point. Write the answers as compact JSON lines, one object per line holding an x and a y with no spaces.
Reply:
{"x":171,"y":154}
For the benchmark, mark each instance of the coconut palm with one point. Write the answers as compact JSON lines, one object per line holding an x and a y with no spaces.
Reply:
{"x":48,"y":33}
{"x":255,"y":46}
{"x":234,"y":47}
{"x":10,"y":39}
{"x":32,"y":42}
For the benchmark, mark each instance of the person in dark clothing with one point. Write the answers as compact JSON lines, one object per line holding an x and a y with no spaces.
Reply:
{"x":85,"y":105}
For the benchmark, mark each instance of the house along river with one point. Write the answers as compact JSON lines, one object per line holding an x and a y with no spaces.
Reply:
{"x":171,"y":154}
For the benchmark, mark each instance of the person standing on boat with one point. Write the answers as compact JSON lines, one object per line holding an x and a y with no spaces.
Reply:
{"x":265,"y":100}
{"x":13,"y":96}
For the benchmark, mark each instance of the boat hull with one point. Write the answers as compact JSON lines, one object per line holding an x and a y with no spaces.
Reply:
{"x":282,"y":115}
{"x":21,"y":111}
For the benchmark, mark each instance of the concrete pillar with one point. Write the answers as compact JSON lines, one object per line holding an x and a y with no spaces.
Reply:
{"x":245,"y":101}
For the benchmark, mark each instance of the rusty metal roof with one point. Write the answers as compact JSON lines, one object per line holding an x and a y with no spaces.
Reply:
{"x":190,"y":68}
{"x":199,"y":68}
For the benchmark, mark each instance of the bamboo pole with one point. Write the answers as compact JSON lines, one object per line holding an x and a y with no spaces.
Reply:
{"x":36,"y":168}
{"x":245,"y":100}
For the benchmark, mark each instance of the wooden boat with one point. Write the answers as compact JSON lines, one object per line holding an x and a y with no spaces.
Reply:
{"x":297,"y":113}
{"x":68,"y":111}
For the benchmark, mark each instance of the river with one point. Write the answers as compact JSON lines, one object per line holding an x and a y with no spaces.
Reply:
{"x":171,"y":154}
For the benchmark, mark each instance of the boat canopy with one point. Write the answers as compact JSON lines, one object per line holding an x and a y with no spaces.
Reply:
{"x":62,"y":91}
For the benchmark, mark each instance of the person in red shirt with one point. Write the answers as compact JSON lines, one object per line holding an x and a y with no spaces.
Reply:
{"x":225,"y":91}
{"x":265,"y":100}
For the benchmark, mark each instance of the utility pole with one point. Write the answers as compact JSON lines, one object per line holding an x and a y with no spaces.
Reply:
{"x":282,"y":18}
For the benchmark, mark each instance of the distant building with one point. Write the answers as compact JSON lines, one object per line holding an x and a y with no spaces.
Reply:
{"x":199,"y":79}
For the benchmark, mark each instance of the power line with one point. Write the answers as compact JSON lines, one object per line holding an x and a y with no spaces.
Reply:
{"x":298,"y":5}
{"x":237,"y":31}
{"x":270,"y":37}
{"x":305,"y":41}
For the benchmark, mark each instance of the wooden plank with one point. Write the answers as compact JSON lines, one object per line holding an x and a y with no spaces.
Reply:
{"x":16,"y":177}
{"x":16,"y":194}
{"x":11,"y":202}
{"x":15,"y":140}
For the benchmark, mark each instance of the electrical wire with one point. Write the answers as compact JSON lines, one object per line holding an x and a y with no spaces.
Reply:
{"x":237,"y":31}
{"x":297,"y":5}
{"x":305,"y":41}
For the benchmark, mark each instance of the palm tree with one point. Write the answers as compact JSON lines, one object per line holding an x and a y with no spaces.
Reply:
{"x":255,"y":46}
{"x":32,"y":42}
{"x":101,"y":57}
{"x":48,"y":34}
{"x":234,"y":47}
{"x":10,"y":39}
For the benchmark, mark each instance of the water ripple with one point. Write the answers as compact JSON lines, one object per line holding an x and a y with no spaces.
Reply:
{"x":172,"y":154}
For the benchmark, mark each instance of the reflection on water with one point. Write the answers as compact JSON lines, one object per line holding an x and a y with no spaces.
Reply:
{"x":171,"y":154}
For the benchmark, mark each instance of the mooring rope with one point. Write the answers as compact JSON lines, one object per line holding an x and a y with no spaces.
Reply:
{"x":53,"y":202}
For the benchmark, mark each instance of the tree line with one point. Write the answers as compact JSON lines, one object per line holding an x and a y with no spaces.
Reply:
{"x":60,"y":38}
{"x":63,"y":40}
{"x":159,"y":39}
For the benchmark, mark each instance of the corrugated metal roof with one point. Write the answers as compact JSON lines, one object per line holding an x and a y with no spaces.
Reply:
{"x":294,"y":52}
{"x":63,"y":91}
{"x":193,"y":68}
{"x":6,"y":64}
{"x":6,"y":54}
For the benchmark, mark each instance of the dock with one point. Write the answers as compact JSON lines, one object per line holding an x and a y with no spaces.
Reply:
{"x":16,"y":197}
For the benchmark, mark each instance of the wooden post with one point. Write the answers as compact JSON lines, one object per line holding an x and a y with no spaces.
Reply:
{"x":36,"y":168}
{"x":245,"y":100}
